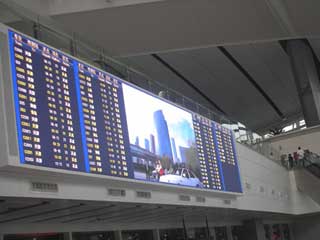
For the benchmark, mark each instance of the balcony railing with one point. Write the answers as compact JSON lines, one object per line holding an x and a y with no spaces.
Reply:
{"x":311,"y":162}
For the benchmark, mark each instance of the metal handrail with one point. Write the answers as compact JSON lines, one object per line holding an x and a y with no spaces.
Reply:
{"x":312,"y":166}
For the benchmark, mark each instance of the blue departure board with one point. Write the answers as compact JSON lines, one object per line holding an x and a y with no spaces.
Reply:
{"x":104,"y":122}
{"x":46,"y":105}
{"x":73,"y":116}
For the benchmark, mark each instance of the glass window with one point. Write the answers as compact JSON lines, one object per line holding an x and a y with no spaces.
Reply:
{"x":192,"y":174}
{"x":201,"y":233}
{"x":267,"y":232}
{"x":137,"y":235}
{"x":302,"y":122}
{"x":93,"y":236}
{"x":221,"y":233}
{"x":275,"y":232}
{"x":185,"y":173}
{"x":35,"y":236}
{"x":191,"y":234}
{"x":288,"y":128}
{"x":171,"y":234}
{"x":237,"y":233}
{"x":286,"y":232}
{"x":212,"y":234}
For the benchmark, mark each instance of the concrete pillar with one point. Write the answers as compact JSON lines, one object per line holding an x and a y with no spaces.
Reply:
{"x":260,"y":230}
{"x":67,"y":236}
{"x":306,"y":79}
{"x":213,"y":233}
{"x":292,"y":237}
{"x":229,"y":233}
{"x":156,"y":234}
{"x":118,"y":235}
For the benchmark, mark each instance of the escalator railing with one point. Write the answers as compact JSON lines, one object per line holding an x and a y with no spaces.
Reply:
{"x":307,"y":174}
{"x":311,"y":163}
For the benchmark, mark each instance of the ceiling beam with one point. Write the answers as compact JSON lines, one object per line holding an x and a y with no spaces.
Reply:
{"x":252,"y":81}
{"x":188,"y":82}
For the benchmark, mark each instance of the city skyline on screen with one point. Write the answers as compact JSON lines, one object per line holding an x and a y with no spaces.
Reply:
{"x":155,"y":118}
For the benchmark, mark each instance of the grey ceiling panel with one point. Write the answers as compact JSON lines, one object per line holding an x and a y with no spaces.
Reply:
{"x":165,"y":25}
{"x":219,"y":79}
{"x":304,"y":16}
{"x":157,"y":71}
{"x":269,"y":65}
{"x":212,"y":72}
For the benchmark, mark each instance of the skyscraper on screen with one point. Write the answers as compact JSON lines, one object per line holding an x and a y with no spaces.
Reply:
{"x":164,"y":144}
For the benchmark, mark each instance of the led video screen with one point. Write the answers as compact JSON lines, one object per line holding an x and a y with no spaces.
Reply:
{"x":73,"y":116}
{"x":162,"y":140}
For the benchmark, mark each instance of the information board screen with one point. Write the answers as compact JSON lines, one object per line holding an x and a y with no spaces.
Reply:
{"x":73,"y":116}
{"x":46,"y":105}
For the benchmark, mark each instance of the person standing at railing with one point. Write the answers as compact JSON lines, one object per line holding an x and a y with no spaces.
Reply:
{"x":296,"y":159}
{"x":300,"y":153}
{"x":290,"y":160}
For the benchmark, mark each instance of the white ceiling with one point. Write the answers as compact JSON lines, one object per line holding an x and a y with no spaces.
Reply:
{"x":179,"y":24}
{"x":131,"y":27}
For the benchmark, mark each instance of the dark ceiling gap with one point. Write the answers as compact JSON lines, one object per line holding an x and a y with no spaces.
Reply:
{"x":133,"y":215}
{"x":129,"y":211}
{"x":150,"y":216}
{"x":17,"y":209}
{"x":71,"y":214}
{"x":42,"y":213}
{"x":187,"y":81}
{"x":171,"y":215}
{"x":97,"y":215}
{"x":252,"y":81}
{"x":283,"y":44}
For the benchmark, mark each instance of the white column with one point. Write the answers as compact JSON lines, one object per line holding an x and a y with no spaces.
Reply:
{"x":156,"y":234}
{"x":306,"y":77}
{"x":229,"y":233}
{"x":118,"y":235}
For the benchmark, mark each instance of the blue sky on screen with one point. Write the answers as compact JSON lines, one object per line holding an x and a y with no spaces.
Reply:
{"x":140,"y":107}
